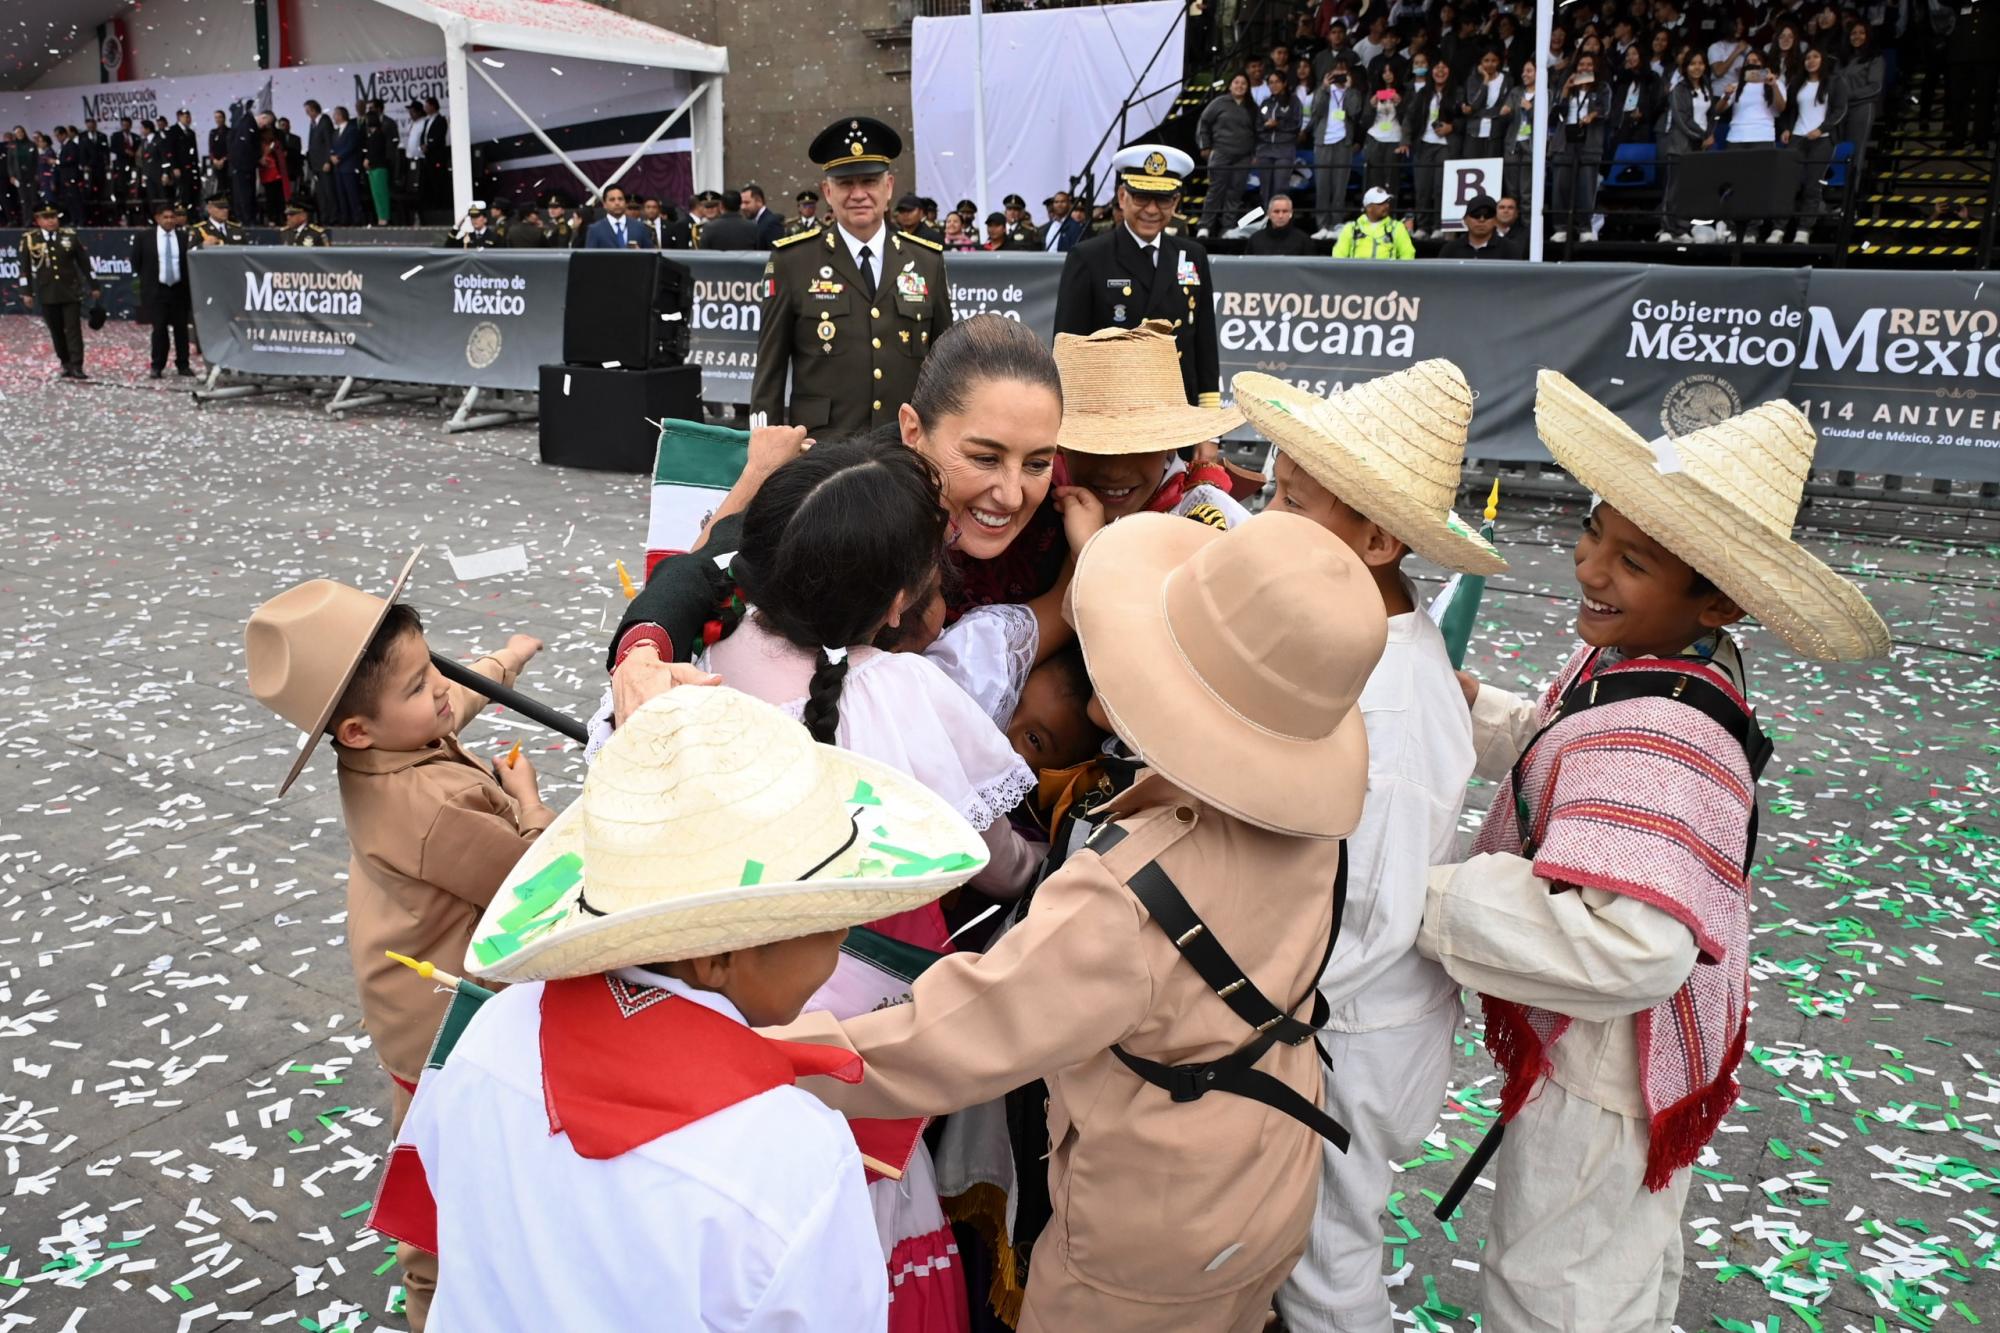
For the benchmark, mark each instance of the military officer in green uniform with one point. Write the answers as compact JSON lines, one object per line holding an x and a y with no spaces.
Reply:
{"x":808,"y":218}
{"x":1021,"y":233}
{"x":1137,"y":270}
{"x":561,"y":228}
{"x":851,"y":309}
{"x":55,"y":274}
{"x":300,"y":229}
{"x":216,"y":228}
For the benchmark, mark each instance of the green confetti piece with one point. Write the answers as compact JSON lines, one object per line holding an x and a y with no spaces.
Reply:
{"x":864,"y":795}
{"x":356,"y":1210}
{"x":295,"y":1136}
{"x":916,"y":863}
{"x":181,"y":1291}
{"x":543,"y":890}
{"x":753,"y":873}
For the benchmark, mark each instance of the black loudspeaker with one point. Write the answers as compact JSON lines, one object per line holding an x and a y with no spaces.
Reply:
{"x":1735,"y":184}
{"x":609,"y":419}
{"x":633,"y":307}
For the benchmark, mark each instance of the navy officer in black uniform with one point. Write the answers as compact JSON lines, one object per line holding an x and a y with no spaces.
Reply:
{"x":1137,"y":270}
{"x":851,"y":309}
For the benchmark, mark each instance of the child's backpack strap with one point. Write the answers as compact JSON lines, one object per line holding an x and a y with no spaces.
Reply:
{"x":1655,"y":680}
{"x":1201,"y":950}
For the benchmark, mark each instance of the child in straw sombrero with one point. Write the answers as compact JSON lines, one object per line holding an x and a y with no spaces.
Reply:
{"x":1605,"y":914}
{"x":1378,"y":466}
{"x":1124,"y":416}
{"x":610,"y":1145}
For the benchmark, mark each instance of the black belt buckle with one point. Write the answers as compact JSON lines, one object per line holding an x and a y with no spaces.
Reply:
{"x":1187,"y":1083}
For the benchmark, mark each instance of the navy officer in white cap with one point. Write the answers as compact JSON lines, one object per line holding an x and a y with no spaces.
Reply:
{"x":1138,"y":270}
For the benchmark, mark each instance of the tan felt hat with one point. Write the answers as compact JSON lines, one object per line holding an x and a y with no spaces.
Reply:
{"x":1233,"y":661}
{"x":1723,"y":499}
{"x":1391,"y":449}
{"x":1123,"y":393}
{"x":303,"y":646}
{"x":711,"y":821}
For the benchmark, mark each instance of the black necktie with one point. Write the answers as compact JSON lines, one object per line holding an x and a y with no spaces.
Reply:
{"x":1153,"y":255}
{"x":867,"y":273}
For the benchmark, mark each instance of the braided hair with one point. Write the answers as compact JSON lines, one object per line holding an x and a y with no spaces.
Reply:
{"x":830,"y":541}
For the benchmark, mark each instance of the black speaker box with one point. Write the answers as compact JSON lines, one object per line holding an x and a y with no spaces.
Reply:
{"x":633,"y":307}
{"x":608,"y":419}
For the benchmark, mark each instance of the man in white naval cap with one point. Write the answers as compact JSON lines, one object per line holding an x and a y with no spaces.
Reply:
{"x":1138,"y":271}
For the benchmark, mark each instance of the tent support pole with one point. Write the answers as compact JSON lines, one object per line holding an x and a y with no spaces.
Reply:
{"x":1539,"y":165}
{"x":588,"y":184}
{"x":653,"y":138}
{"x":459,"y":92}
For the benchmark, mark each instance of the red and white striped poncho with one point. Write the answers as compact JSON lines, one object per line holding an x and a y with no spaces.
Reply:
{"x":1651,"y":798}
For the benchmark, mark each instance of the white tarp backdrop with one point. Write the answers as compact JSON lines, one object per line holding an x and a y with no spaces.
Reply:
{"x":1054,"y":81}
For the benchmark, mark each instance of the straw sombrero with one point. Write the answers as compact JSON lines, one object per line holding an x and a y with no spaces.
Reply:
{"x":1234,"y":661}
{"x":1723,"y":499}
{"x":710,"y":822}
{"x":1392,"y":449}
{"x":303,"y":647}
{"x":1123,"y":393}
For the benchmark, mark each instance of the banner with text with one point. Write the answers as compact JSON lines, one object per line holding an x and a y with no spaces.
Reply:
{"x":1900,"y":371}
{"x":487,"y":318}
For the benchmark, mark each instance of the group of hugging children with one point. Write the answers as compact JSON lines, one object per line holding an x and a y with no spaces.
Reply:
{"x":1004,"y":847}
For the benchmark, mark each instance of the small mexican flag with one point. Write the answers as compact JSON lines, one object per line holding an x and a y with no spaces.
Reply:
{"x":1455,"y":608}
{"x":875,"y":972}
{"x":404,"y":1207}
{"x":696,"y":465}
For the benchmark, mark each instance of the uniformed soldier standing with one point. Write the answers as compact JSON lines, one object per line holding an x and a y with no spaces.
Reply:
{"x":1021,"y":233}
{"x":851,"y":309}
{"x":561,"y":229}
{"x":55,"y":274}
{"x":808,"y":218}
{"x":300,"y":229}
{"x":1137,"y":270}
{"x":217,"y":228}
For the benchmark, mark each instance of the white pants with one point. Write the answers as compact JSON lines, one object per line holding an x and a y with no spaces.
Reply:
{"x":1386,"y":1087}
{"x":1576,"y":1240}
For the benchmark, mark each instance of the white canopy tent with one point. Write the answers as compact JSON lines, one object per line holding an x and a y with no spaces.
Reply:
{"x":579,"y":30}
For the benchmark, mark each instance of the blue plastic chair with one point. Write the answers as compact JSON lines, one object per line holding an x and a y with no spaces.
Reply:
{"x":1634,"y":166}
{"x":1836,"y":172}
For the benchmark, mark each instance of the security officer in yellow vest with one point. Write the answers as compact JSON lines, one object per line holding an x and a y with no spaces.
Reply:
{"x":1138,"y":270}
{"x":850,"y":309}
{"x":1374,"y":235}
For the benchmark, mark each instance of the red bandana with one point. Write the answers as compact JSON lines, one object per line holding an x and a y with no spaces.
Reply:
{"x":623,"y":1064}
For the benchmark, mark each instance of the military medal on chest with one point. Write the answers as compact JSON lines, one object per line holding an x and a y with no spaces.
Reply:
{"x":826,"y":332}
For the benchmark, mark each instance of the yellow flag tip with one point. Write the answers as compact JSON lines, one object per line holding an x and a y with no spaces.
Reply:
{"x":1493,"y":501}
{"x":421,"y":969}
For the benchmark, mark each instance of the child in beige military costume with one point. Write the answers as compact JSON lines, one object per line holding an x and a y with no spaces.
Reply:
{"x":1232,"y":661}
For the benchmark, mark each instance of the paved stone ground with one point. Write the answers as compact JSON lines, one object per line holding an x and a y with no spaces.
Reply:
{"x":189,"y":1111}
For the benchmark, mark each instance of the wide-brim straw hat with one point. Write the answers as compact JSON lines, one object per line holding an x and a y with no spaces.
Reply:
{"x":1123,"y":393}
{"x":712,"y":822}
{"x":303,"y":647}
{"x":1391,"y":449}
{"x":1233,"y":661}
{"x":1723,"y":499}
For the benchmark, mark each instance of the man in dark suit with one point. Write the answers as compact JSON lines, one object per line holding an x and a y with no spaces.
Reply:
{"x":1136,"y":271}
{"x":730,"y":230}
{"x":96,"y":159}
{"x":434,"y":181}
{"x":850,"y":311}
{"x":319,"y":171}
{"x":160,"y":262}
{"x":345,"y":159}
{"x":243,"y":154}
{"x":120,"y":156}
{"x":69,"y":177}
{"x":615,"y":230}
{"x":186,"y":142}
{"x":768,"y":224}
{"x":1061,"y":233}
{"x":654,"y":224}
{"x":217,"y":161}
{"x":295,"y":156}
{"x":1279,"y":235}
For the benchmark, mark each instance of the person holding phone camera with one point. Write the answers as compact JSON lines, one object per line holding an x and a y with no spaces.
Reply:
{"x":1333,"y":129}
{"x":1385,"y":150}
{"x":1584,"y":107}
{"x":1753,"y":117}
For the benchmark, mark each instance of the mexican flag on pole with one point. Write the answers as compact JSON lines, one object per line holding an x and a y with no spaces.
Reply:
{"x":875,"y":972}
{"x":403,"y":1204}
{"x":1455,"y":608}
{"x":694,"y":468}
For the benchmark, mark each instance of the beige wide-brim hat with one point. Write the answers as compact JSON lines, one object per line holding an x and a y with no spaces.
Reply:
{"x":1723,"y":499}
{"x":710,"y":822}
{"x":303,"y":647}
{"x":1123,"y":393}
{"x":1233,"y":661}
{"x":1391,"y":449}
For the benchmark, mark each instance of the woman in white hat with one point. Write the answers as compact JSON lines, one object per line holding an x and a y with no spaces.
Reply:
{"x":609,"y":1145}
{"x":1605,"y":914}
{"x":1232,"y":661}
{"x":1378,"y":466}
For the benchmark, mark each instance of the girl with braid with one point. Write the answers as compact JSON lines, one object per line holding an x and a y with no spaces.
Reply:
{"x":838,"y":545}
